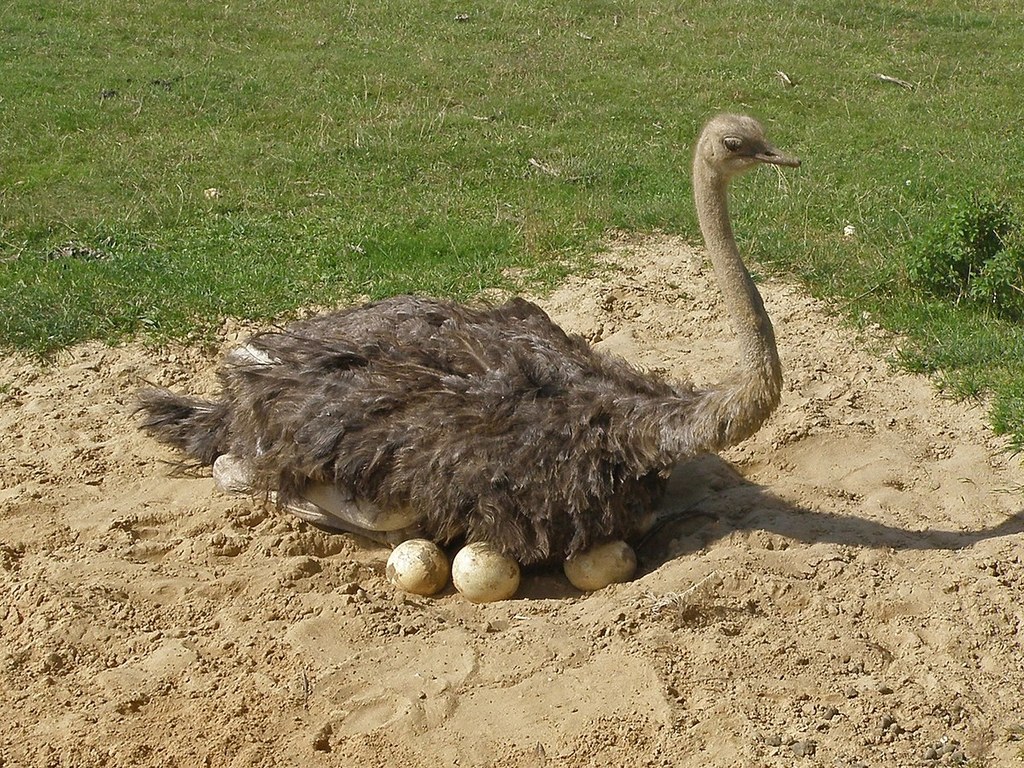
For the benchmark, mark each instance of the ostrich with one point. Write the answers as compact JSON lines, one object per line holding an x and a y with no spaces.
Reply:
{"x":421,"y":416}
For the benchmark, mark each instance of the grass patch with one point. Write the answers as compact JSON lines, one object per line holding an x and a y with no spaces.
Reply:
{"x":166,"y":164}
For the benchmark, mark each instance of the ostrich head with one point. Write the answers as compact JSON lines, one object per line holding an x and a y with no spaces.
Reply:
{"x":732,"y":144}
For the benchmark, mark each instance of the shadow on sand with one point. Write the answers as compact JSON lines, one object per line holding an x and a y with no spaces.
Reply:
{"x":708,"y":499}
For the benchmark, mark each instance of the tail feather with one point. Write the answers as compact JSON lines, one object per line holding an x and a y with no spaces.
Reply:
{"x":196,"y":427}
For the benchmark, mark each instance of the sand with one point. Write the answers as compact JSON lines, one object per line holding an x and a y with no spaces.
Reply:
{"x":844,"y":589}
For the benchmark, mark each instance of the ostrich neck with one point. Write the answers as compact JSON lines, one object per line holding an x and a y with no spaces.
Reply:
{"x":735,"y":408}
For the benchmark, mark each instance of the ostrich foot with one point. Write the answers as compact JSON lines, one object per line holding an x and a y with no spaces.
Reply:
{"x":326,"y":506}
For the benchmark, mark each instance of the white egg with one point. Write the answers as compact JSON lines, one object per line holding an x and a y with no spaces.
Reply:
{"x":418,"y":566}
{"x":482,"y":574}
{"x":605,"y":564}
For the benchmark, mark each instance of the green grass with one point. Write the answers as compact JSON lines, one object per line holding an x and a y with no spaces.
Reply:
{"x":370,"y":148}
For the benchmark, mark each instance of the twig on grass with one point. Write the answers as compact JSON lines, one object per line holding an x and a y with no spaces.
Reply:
{"x":894,"y":81}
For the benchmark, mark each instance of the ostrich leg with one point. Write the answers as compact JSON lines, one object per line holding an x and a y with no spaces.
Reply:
{"x":326,"y":506}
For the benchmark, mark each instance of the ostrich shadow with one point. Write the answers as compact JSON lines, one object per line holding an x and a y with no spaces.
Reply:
{"x":707,"y":500}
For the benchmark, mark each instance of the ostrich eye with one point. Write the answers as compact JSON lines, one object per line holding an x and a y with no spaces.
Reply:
{"x":732,"y":143}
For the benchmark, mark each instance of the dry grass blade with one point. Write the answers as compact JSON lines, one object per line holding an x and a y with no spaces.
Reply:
{"x":675,"y":601}
{"x":544,"y":167}
{"x":894,"y":80}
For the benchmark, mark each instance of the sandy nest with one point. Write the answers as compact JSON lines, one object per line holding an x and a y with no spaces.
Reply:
{"x":845,"y":589}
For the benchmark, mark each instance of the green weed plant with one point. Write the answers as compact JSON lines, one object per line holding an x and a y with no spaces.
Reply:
{"x":974,"y":254}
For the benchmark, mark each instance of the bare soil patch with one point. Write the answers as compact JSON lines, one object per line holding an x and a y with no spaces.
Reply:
{"x":845,"y":588}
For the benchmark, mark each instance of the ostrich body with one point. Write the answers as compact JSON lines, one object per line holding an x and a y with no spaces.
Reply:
{"x":484,"y":423}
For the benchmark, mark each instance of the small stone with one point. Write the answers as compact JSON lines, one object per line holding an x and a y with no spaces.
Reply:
{"x":774,"y":741}
{"x":884,"y":689}
{"x":931,"y":754}
{"x":829,"y":713}
{"x":804,"y":748}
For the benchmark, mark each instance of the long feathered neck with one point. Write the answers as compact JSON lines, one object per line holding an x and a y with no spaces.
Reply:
{"x":735,"y":408}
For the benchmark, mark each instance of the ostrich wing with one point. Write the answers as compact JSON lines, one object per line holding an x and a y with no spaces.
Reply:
{"x":493,"y":421}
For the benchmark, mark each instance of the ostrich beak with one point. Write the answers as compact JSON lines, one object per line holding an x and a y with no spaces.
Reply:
{"x":774,"y":157}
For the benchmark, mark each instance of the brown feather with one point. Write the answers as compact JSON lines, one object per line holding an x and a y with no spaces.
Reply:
{"x":493,"y":422}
